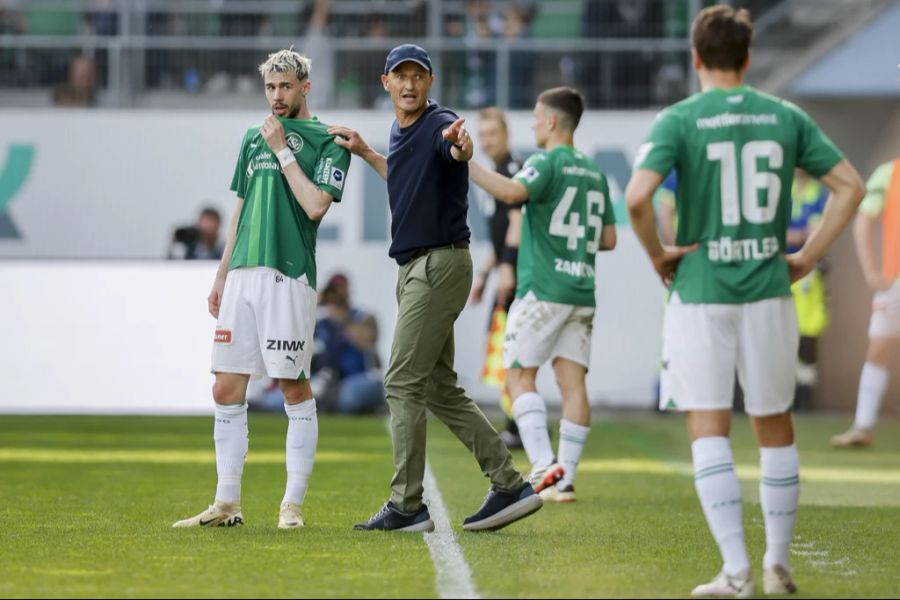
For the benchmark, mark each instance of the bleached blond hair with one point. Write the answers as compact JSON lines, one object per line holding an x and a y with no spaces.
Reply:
{"x":287,"y":61}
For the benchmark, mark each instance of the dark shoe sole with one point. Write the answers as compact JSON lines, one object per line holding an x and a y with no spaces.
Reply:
{"x":423,"y":527}
{"x":512,"y":513}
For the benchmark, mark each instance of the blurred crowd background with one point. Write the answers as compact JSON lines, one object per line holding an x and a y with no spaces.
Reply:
{"x":201,"y":53}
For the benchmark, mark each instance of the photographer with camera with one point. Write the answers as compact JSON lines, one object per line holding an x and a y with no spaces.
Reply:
{"x":200,"y":241}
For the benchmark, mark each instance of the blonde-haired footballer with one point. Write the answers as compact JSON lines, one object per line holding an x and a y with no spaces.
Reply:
{"x":288,"y":173}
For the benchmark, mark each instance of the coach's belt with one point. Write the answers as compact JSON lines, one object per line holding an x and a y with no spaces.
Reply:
{"x":454,"y":246}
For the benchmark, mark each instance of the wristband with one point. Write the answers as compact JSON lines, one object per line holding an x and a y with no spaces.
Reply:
{"x":285,"y":157}
{"x":510,"y":255}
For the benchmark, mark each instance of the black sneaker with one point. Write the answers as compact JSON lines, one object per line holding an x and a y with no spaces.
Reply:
{"x":389,"y":518}
{"x":502,"y":508}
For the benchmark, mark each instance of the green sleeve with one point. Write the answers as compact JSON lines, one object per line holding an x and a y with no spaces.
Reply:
{"x":239,"y":179}
{"x":609,"y":213}
{"x":660,"y":150}
{"x":536,"y":176}
{"x":331,"y":169}
{"x":816,"y":153}
{"x":876,"y":190}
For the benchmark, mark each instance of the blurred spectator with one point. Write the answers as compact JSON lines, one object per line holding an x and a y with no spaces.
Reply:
{"x":624,"y":78}
{"x":517,"y":17}
{"x":11,"y":20}
{"x":316,"y":46}
{"x":81,"y":87}
{"x":240,"y":24}
{"x":200,"y":241}
{"x":346,"y":375}
{"x":101,"y":18}
{"x":12,"y":62}
{"x":479,"y":78}
{"x":369,"y":64}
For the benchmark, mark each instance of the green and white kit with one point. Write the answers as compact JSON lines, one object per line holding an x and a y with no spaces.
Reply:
{"x":734,"y":152}
{"x":267,"y":314}
{"x":568,"y":206}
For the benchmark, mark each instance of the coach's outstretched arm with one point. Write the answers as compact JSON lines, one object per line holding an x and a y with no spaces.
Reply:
{"x":314,"y":201}
{"x":463,"y":149}
{"x":352,"y":141}
{"x":500,"y":187}
{"x":639,"y":198}
{"x":215,"y":296}
{"x":847,"y":191}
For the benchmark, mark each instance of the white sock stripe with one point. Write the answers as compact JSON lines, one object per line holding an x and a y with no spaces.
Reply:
{"x":713,"y":470}
{"x":780,"y":482}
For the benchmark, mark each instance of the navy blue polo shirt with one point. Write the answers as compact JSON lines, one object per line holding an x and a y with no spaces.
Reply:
{"x":427,"y":189}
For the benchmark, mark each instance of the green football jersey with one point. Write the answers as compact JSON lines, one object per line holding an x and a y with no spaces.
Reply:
{"x":568,"y":205}
{"x":273,"y":230}
{"x":734,"y":151}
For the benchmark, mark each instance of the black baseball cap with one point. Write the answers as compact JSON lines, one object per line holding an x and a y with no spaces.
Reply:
{"x":406,"y":52}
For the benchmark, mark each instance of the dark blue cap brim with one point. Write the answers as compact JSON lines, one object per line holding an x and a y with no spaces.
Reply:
{"x":403,"y":60}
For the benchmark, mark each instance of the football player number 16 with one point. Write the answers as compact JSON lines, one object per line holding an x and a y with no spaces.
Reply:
{"x":752,"y":180}
{"x":568,"y":224}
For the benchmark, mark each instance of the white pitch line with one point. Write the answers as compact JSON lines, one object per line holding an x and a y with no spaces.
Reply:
{"x":453,"y":577}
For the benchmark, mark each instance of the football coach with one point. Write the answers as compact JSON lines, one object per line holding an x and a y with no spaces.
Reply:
{"x":427,"y":175}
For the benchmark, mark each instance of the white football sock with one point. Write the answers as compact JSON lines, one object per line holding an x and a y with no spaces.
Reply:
{"x":779,"y":491}
{"x":873,"y":382}
{"x":571,"y":444}
{"x":530,"y":413}
{"x":300,"y":448}
{"x":720,"y":495}
{"x":230,"y":435}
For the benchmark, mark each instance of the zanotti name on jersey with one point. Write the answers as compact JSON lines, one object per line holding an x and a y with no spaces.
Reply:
{"x":575,"y":268}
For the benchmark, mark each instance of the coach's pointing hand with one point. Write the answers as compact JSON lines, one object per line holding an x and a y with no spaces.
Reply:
{"x":273,"y":132}
{"x":456,"y":134}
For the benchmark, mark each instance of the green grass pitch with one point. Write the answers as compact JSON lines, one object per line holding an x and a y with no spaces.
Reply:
{"x":87,"y":504}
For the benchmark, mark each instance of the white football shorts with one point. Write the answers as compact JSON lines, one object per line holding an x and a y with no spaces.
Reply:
{"x":703,"y":345}
{"x":538,"y":331}
{"x":266,"y":324}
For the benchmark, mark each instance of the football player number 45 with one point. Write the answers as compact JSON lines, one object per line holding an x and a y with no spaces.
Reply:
{"x":746,"y":202}
{"x":566,"y":223}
